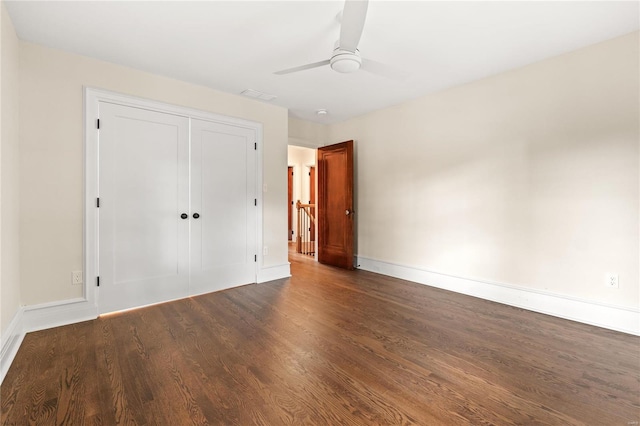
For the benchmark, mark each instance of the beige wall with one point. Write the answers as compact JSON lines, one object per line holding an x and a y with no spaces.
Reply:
{"x":307,"y":133}
{"x":51,"y":166}
{"x":528,"y":178}
{"x":9,"y":178}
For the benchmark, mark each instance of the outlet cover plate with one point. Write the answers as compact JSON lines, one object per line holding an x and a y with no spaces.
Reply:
{"x":611,"y":281}
{"x":76,"y":278}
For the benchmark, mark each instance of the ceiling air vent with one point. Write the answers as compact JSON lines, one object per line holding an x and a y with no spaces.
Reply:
{"x":258,"y":95}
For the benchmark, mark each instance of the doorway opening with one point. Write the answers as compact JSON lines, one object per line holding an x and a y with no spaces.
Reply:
{"x":324,"y":224}
{"x":301,"y":202}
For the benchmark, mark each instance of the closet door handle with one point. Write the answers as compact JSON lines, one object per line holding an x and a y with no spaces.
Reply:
{"x":184,"y":215}
{"x":196,"y":215}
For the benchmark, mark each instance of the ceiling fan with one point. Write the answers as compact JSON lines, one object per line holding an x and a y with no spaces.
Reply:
{"x":346,"y":56}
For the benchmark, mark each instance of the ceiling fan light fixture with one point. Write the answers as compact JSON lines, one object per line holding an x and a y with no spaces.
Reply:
{"x":345,"y":61}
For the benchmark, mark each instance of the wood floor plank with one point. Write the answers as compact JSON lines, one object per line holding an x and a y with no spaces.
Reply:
{"x":325,"y":347}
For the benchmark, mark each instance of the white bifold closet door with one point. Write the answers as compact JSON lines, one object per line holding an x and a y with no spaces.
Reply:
{"x":177,"y":214}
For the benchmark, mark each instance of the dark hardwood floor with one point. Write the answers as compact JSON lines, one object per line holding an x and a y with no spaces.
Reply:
{"x":325,"y":347}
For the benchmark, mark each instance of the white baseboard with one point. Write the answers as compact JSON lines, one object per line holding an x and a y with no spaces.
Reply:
{"x":274,"y":273}
{"x":56,"y":314}
{"x":626,"y":320}
{"x":40,"y":317}
{"x":10,"y":342}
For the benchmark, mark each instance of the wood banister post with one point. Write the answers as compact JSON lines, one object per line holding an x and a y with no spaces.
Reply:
{"x":299,"y":233}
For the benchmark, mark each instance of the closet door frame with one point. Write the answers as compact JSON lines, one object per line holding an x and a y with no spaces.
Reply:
{"x":92,"y":99}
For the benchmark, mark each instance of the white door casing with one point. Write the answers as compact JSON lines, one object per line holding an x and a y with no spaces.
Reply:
{"x":209,"y":274}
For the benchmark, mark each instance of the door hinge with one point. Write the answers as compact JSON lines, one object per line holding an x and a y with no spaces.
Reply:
{"x":97,"y":281}
{"x":255,"y":257}
{"x":255,"y":201}
{"x":255,"y":146}
{"x":98,"y":123}
{"x":98,"y":202}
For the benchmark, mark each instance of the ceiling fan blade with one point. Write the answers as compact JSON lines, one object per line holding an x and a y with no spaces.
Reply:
{"x":303,"y":67}
{"x":353,"y":17}
{"x":383,"y":70}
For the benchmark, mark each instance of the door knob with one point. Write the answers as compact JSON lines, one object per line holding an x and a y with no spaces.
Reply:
{"x":184,"y":215}
{"x":196,"y":215}
{"x":347,"y":212}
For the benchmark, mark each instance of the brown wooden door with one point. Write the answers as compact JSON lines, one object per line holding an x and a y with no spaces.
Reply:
{"x":290,"y":201}
{"x":335,"y":205}
{"x":312,"y":199}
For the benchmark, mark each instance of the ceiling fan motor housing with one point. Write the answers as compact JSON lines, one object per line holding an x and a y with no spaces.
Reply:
{"x":345,"y":61}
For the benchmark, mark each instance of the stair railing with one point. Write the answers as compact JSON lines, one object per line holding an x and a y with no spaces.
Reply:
{"x":305,"y":242}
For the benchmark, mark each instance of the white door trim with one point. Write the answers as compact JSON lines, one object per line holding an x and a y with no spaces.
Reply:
{"x":92,"y":98}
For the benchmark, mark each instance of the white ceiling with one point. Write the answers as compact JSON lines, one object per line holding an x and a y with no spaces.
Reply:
{"x":237,"y":45}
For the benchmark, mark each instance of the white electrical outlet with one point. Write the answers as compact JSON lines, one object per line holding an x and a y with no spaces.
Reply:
{"x":265,"y":251}
{"x":76,"y":277}
{"x":611,"y":281}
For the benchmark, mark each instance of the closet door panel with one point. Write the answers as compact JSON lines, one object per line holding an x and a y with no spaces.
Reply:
{"x":143,"y":241}
{"x":222,"y":194}
{"x":146,"y":190}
